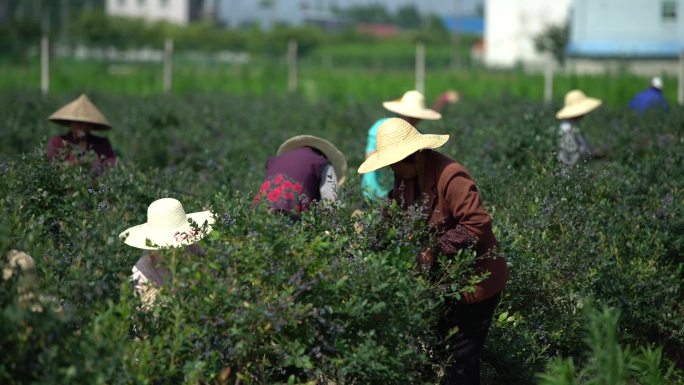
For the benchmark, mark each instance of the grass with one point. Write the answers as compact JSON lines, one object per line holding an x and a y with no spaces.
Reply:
{"x":320,"y":77}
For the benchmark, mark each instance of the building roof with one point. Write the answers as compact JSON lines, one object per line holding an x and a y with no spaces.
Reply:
{"x":377,"y":30}
{"x":473,"y":25}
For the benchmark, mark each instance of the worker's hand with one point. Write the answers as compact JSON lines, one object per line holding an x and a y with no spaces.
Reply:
{"x":452,"y":96}
{"x":425,"y":260}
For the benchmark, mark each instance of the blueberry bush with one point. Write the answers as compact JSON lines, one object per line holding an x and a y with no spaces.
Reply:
{"x":333,"y":298}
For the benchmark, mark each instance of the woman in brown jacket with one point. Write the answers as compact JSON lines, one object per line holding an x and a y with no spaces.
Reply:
{"x":456,"y":214}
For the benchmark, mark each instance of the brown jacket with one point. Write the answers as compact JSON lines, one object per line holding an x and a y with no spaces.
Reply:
{"x":454,"y":207}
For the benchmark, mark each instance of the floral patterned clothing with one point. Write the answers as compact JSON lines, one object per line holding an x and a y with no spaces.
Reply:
{"x":572,"y":145}
{"x":295,"y":179}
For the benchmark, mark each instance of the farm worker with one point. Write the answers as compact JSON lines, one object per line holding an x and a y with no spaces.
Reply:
{"x":82,"y":117}
{"x":456,"y":214}
{"x":305,"y":169}
{"x":651,"y":98}
{"x":572,"y":144}
{"x":410,"y":107}
{"x":167,"y":226}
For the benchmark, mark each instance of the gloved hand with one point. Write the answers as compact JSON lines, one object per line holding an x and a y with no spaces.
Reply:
{"x":455,"y":239}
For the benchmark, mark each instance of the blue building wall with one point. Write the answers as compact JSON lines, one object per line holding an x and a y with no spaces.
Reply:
{"x":627,"y":28}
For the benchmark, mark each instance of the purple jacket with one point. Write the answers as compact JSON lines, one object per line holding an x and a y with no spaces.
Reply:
{"x":98,"y":144}
{"x":292,"y":180}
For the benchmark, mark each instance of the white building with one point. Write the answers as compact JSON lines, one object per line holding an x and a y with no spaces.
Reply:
{"x":603,"y":33}
{"x":627,"y":28}
{"x":173,"y":11}
{"x":511,"y":25}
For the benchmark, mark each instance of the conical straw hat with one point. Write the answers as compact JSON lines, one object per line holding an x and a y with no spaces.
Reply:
{"x":167,"y":226}
{"x":412,"y":104}
{"x":80,"y":110}
{"x":577,"y":104}
{"x":335,"y":156}
{"x":398,"y":139}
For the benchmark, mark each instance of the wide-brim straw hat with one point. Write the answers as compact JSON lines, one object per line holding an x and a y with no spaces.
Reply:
{"x":412,"y":104}
{"x":80,"y":110}
{"x":168,"y":226}
{"x":577,"y":104}
{"x":335,"y":156}
{"x":396,"y":140}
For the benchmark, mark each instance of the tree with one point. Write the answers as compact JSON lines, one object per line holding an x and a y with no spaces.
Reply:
{"x":375,"y":13}
{"x":554,"y":40}
{"x":408,"y":17}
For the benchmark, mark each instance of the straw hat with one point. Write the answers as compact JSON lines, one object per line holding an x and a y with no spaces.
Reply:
{"x":412,"y":104}
{"x":577,"y":104}
{"x":167,"y":226}
{"x":336,"y":158}
{"x":398,"y":139}
{"x":80,"y":110}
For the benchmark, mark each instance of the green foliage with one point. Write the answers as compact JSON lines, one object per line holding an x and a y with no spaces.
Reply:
{"x":609,"y":362}
{"x":554,"y":40}
{"x":374,"y":13}
{"x":98,"y":29}
{"x":270,"y":301}
{"x":273,"y":301}
{"x":15,"y":36}
{"x":363,"y":73}
{"x":408,"y":17}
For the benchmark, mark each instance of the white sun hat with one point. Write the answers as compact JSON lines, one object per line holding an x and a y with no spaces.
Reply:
{"x":657,"y":82}
{"x":335,"y":156}
{"x":168,"y":226}
{"x":396,"y":140}
{"x":80,"y":110}
{"x":577,"y":104}
{"x":412,"y":104}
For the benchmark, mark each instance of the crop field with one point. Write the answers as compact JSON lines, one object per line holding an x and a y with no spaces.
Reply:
{"x":595,"y":252}
{"x":343,"y":83}
{"x":342,"y":72}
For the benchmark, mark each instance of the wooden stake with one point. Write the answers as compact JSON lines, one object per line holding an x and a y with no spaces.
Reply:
{"x":548,"y":84}
{"x":292,"y":66}
{"x":168,"y":65}
{"x":45,"y":65}
{"x":420,"y":67}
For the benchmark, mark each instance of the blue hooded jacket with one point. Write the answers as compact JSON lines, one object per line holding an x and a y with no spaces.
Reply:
{"x":647,"y":99}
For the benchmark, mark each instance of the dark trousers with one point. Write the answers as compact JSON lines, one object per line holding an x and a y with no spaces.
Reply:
{"x":463,"y":348}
